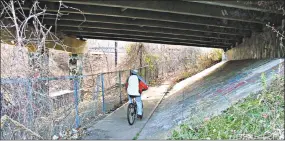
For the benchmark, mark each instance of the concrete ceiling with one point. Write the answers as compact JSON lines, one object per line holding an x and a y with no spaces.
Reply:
{"x":216,"y":24}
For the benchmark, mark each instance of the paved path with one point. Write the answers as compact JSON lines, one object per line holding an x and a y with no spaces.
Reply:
{"x":116,"y":126}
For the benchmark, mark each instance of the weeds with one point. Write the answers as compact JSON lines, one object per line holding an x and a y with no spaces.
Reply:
{"x":136,"y":137}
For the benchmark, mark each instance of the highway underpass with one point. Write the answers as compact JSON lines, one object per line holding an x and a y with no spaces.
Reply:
{"x":216,"y":24}
{"x":245,"y":31}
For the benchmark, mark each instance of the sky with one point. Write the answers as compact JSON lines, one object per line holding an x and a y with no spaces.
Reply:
{"x":105,"y":43}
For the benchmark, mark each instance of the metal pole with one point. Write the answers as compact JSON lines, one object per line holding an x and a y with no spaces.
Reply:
{"x":77,"y":121}
{"x":120,"y":81}
{"x":103,"y":99}
{"x":140,"y":50}
{"x":146,"y":79}
{"x":95,"y":96}
{"x":116,"y":54}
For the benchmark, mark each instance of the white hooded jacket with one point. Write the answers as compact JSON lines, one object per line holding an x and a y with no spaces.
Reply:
{"x":133,"y":85}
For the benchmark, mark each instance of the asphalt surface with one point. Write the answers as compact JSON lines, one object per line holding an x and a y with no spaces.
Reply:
{"x":115,"y":126}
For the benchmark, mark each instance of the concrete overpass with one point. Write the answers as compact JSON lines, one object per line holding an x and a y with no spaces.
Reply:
{"x":236,"y":27}
{"x":218,"y":24}
{"x":179,"y":22}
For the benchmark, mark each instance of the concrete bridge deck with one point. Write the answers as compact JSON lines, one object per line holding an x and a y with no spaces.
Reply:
{"x":216,"y":24}
{"x":221,"y":24}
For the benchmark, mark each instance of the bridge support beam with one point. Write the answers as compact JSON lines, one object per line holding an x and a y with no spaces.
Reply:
{"x":75,"y":64}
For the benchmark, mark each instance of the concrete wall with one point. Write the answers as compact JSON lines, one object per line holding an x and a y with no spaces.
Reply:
{"x":258,"y":46}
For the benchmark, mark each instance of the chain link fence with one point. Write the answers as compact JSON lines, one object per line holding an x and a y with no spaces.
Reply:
{"x":40,"y":108}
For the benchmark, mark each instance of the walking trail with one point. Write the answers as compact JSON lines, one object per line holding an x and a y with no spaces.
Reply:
{"x":116,"y":126}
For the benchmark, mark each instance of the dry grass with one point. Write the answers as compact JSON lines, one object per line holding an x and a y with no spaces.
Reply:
{"x":259,"y":116}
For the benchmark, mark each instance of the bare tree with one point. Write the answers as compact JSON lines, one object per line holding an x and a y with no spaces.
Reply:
{"x":25,"y":102}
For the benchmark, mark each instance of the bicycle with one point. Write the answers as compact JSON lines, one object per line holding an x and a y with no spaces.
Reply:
{"x":132,"y":111}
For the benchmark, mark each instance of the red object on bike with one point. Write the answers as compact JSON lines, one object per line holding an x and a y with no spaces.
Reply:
{"x":142,"y":86}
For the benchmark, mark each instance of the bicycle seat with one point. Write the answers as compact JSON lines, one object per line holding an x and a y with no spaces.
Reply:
{"x":133,"y":96}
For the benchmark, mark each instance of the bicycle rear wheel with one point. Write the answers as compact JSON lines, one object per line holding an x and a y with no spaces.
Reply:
{"x":131,"y":113}
{"x":142,"y":109}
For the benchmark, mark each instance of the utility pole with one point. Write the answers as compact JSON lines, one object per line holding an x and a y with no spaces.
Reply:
{"x":140,"y":49}
{"x":116,"y":54}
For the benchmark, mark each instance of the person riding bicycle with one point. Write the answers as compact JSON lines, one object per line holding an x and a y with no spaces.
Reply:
{"x":135,"y":86}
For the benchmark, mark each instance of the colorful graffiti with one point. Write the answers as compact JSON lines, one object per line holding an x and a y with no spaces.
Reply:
{"x":226,"y":85}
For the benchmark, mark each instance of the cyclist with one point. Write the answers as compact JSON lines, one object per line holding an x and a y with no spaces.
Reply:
{"x":135,"y":86}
